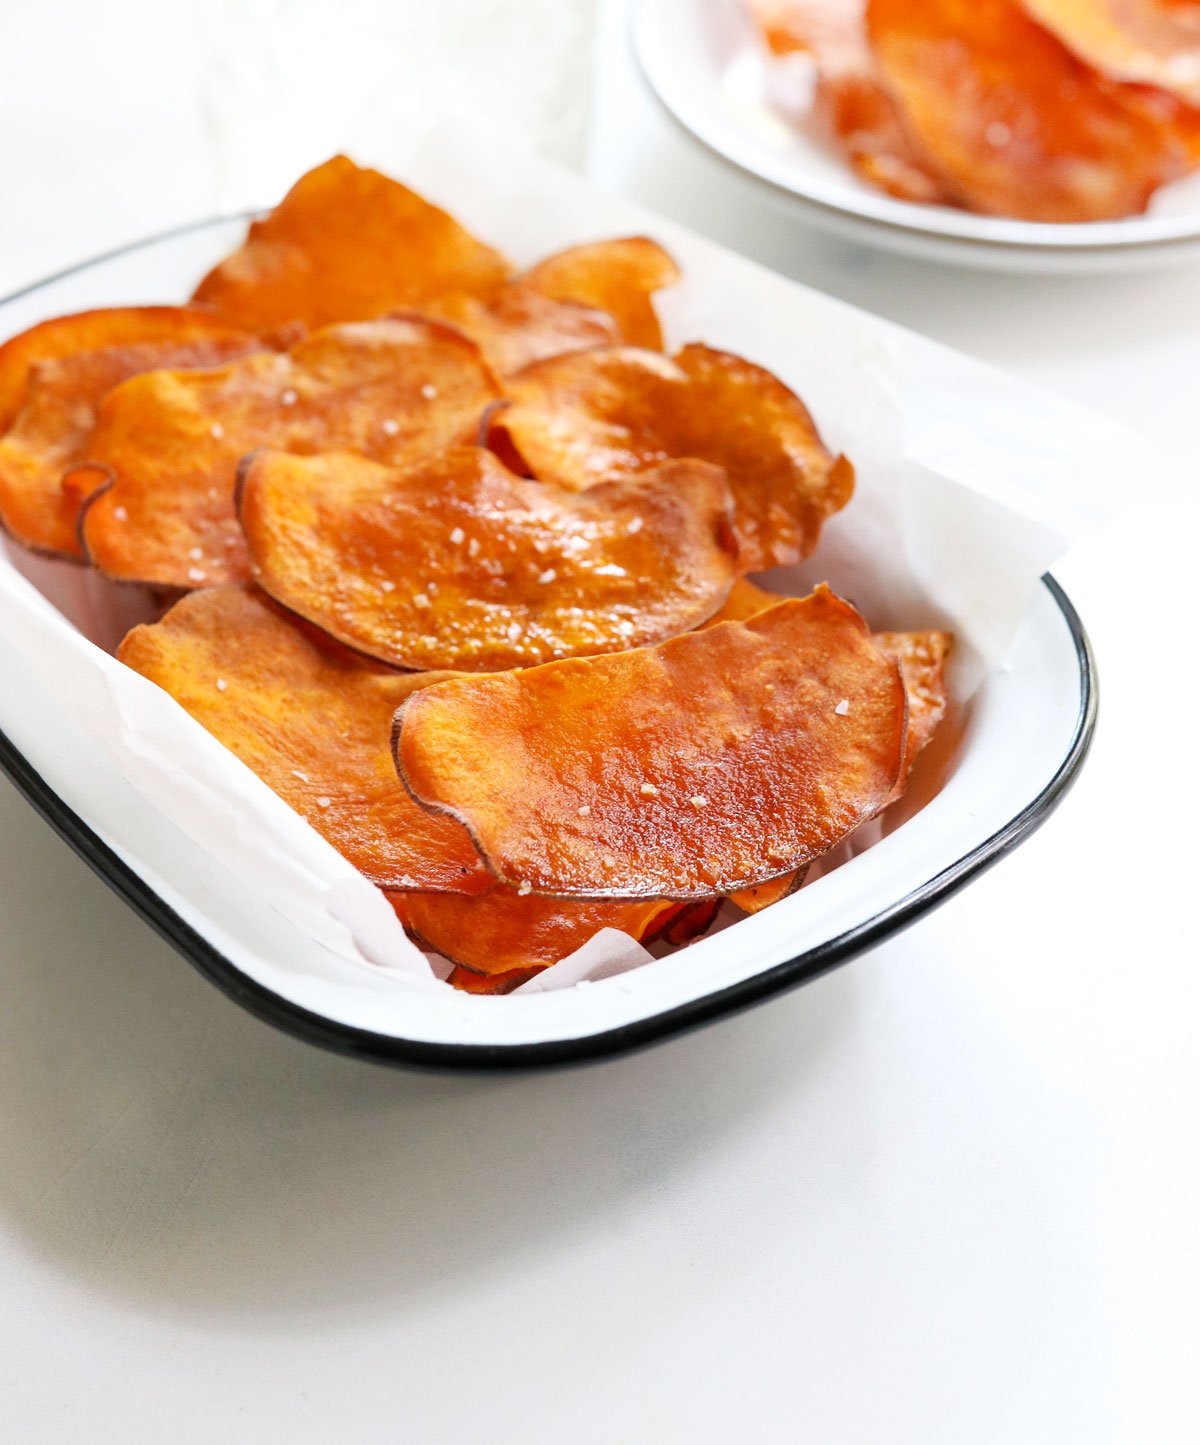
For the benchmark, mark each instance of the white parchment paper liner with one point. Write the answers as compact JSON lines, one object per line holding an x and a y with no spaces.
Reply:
{"x":970,"y":485}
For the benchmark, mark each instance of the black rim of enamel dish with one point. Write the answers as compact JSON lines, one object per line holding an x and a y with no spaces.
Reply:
{"x":272,"y":1008}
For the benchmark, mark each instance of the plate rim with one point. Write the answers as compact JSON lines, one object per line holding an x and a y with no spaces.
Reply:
{"x":1064,"y":239}
{"x":347,"y":1039}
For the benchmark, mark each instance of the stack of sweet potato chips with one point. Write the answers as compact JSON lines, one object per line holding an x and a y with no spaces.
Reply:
{"x":457,"y":560}
{"x":1044,"y":110}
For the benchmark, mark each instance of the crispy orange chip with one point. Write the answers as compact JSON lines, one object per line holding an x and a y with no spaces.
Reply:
{"x":922,"y":658}
{"x":1015,"y":122}
{"x":746,"y":599}
{"x":97,"y":331}
{"x":577,"y":420}
{"x":709,"y":763}
{"x":393,"y":390}
{"x":51,"y":430}
{"x":1152,"y":42}
{"x":849,"y":101}
{"x":466,"y":981}
{"x":516,"y":325}
{"x":347,"y":244}
{"x":312,"y":720}
{"x":684,"y":922}
{"x":458,"y":563}
{"x":618,"y":277}
{"x":754,"y":900}
{"x":501,"y":932}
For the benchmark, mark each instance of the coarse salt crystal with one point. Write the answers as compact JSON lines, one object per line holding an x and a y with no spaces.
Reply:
{"x":324,"y":802}
{"x":457,"y":536}
{"x":429,"y":391}
{"x":296,"y":773}
{"x":420,"y":600}
{"x":196,"y":553}
{"x":648,"y":790}
{"x":289,"y":398}
{"x":390,"y":426}
{"x":221,"y":684}
{"x":843,"y":707}
{"x":525,"y":889}
{"x":387,"y":586}
{"x":216,"y":431}
{"x":698,"y":801}
{"x":473,"y":547}
{"x":196,"y":574}
{"x":120,"y":513}
{"x":585,"y":811}
{"x":547,"y":576}
{"x":635,"y":526}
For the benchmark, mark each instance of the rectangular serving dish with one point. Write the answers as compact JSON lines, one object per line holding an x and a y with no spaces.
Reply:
{"x":1024,"y":735}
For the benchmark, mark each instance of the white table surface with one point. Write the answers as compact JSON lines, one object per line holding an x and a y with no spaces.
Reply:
{"x":947,"y":1194}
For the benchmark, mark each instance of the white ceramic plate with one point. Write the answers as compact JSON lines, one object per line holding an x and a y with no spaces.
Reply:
{"x":707,"y":67}
{"x":1025,"y":731}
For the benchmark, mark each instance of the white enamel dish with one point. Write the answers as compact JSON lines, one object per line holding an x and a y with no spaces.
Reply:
{"x":1025,"y":734}
{"x":705,"y":64}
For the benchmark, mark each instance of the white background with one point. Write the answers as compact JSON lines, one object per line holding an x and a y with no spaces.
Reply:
{"x":947,"y":1194}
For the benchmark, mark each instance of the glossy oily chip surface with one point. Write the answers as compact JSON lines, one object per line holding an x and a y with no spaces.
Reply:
{"x":706,"y":764}
{"x":762,"y":895}
{"x":577,"y":420}
{"x":517,"y":325}
{"x":850,"y":103}
{"x":110,"y":326}
{"x":1015,"y":122}
{"x":502,"y":931}
{"x":617,"y":277}
{"x":313,"y":721}
{"x":456,"y":562}
{"x":467,"y":981}
{"x":746,"y":599}
{"x":347,"y":244}
{"x":52,"y":431}
{"x":171,"y":441}
{"x":1134,"y":40}
{"x":922,"y":659}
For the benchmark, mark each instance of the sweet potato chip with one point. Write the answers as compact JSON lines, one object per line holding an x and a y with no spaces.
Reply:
{"x":754,"y":900}
{"x":51,"y":431}
{"x":458,"y":563}
{"x":617,"y":277}
{"x":503,"y":931}
{"x":96,"y":331}
{"x":849,"y":103}
{"x":577,"y":420}
{"x":706,"y":764}
{"x":347,"y":244}
{"x":312,"y":720}
{"x":922,"y":659}
{"x":684,"y":923}
{"x":1144,"y":41}
{"x":1016,"y":123}
{"x":489,"y":983}
{"x":746,"y":599}
{"x":920,"y":655}
{"x":393,"y":390}
{"x":516,"y":325}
